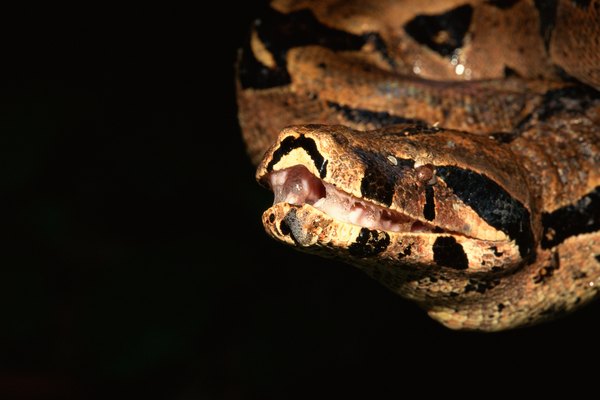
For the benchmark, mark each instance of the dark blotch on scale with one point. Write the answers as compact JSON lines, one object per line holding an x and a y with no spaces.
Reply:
{"x":377,"y":119}
{"x":503,"y":4}
{"x":284,"y":228}
{"x":290,"y":143}
{"x":496,"y":252}
{"x":253,"y":74}
{"x":504,"y":137}
{"x":574,"y":99}
{"x":548,"y":270}
{"x":583,"y":4}
{"x":379,"y":45}
{"x":492,"y":203}
{"x":380,"y":176}
{"x":547,"y":11}
{"x":429,"y":209}
{"x":407,"y":252}
{"x":281,"y":32}
{"x":480,"y":285}
{"x":426,"y":29}
{"x":581,"y":217}
{"x":369,"y":243}
{"x":448,"y":253}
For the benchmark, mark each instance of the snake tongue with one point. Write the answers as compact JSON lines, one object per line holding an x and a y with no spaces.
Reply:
{"x":296,"y":185}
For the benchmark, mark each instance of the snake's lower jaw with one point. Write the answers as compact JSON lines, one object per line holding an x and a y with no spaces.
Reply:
{"x":282,"y":223}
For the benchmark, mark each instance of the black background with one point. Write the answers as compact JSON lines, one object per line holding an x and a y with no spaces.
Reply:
{"x":134,"y":262}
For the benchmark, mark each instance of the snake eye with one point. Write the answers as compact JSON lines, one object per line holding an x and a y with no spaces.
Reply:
{"x":426,"y":174}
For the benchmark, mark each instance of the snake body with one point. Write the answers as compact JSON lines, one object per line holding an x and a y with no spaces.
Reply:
{"x":450,"y":149}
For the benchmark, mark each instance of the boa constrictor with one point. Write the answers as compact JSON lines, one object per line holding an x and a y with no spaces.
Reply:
{"x":450,"y":148}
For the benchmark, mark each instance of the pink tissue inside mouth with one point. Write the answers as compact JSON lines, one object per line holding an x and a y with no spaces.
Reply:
{"x":296,"y":185}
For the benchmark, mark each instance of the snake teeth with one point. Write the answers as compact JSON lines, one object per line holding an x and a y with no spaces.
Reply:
{"x":296,"y":185}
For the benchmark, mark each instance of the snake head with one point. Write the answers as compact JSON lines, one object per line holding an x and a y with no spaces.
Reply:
{"x":409,"y":199}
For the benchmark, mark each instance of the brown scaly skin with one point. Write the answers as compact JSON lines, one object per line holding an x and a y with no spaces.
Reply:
{"x":515,"y":151}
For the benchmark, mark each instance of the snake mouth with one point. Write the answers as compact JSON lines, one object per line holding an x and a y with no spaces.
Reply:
{"x":298,"y":186}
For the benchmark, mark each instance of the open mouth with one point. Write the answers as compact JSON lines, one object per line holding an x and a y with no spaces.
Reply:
{"x":296,"y":185}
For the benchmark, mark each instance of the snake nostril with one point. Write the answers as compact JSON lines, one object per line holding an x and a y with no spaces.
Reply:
{"x":272,"y":218}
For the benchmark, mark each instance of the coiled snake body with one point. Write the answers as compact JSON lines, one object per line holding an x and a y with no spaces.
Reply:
{"x":450,"y":149}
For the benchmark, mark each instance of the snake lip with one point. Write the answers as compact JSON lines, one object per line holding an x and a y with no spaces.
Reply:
{"x":297,"y":185}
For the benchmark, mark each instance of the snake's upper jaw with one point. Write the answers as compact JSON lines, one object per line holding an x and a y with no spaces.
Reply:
{"x":316,"y":165}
